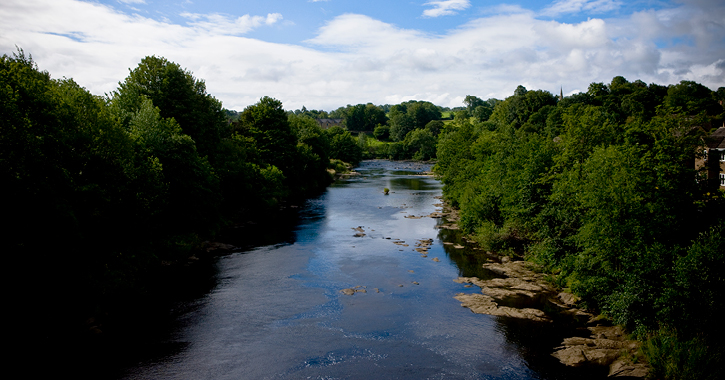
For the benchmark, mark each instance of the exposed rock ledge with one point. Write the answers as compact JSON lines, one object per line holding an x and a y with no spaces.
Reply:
{"x":523,"y":293}
{"x":608,"y":346}
{"x":512,"y":296}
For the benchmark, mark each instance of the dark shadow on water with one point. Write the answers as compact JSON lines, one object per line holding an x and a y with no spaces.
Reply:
{"x":535,"y":341}
{"x":468,"y":259}
{"x":140,"y":327}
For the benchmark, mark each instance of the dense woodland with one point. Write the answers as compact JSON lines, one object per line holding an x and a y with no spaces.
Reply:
{"x":600,"y":188}
{"x":102,"y":191}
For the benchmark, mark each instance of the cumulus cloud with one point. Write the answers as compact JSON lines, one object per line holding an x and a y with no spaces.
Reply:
{"x":445,"y":7}
{"x":132,"y":1}
{"x":357,"y":59}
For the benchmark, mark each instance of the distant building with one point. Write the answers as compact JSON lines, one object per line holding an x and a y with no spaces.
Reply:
{"x":713,"y":160}
{"x":327,"y":123}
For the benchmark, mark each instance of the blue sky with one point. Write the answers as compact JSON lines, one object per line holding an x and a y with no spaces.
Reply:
{"x":326,"y":54}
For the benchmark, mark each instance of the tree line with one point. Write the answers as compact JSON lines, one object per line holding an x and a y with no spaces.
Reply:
{"x":99,"y":190}
{"x":408,"y":130}
{"x":601,"y":188}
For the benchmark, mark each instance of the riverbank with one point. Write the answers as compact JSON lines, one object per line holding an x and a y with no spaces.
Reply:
{"x":519,"y":289}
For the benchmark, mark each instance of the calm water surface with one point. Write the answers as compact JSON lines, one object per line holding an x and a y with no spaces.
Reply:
{"x":276,"y":311}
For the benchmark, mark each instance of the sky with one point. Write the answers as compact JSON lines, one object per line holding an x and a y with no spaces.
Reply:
{"x":324,"y":54}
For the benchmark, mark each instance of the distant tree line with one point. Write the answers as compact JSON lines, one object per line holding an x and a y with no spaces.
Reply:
{"x":601,"y":189}
{"x":402,"y":131}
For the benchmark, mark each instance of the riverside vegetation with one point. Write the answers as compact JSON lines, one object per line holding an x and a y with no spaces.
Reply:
{"x":599,"y":188}
{"x":102,"y":192}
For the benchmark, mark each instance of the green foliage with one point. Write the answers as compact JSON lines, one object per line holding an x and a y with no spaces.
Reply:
{"x":517,"y":109}
{"x":382,"y":132}
{"x":266,"y":122}
{"x":435,"y":127}
{"x":478,"y":108}
{"x":601,"y":189}
{"x":400,"y":123}
{"x":119,"y":184}
{"x":672,"y":357}
{"x":694,"y":298}
{"x":361,"y":117}
{"x":421,"y":144}
{"x":343,"y":145}
{"x":692,"y":99}
{"x":178,"y":95}
{"x":411,"y":115}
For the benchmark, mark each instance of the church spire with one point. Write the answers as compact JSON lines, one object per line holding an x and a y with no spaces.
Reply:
{"x":561,"y":94}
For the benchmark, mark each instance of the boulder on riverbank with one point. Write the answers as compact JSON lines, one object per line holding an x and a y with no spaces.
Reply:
{"x":483,"y":304}
{"x":608,"y":346}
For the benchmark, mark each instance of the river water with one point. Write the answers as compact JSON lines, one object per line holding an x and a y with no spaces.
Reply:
{"x":276,"y":310}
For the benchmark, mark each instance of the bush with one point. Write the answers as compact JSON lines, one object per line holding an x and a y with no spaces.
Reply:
{"x":382,"y":132}
{"x":673,"y":358}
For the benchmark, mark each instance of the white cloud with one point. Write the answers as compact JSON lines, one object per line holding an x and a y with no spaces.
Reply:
{"x":357,"y":59}
{"x":132,"y":1}
{"x":576,"y":6}
{"x":445,"y":7}
{"x":224,"y":25}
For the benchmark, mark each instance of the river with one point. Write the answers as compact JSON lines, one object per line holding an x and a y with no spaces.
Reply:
{"x":276,"y":311}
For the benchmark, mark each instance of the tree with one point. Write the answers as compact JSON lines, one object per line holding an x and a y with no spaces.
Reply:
{"x":420,"y":144}
{"x":343,"y":146}
{"x":266,"y":122}
{"x":374,"y":116}
{"x":435,"y":127}
{"x":691,"y":98}
{"x":517,"y":109}
{"x":400,"y":122}
{"x":472,"y":102}
{"x":355,"y":118}
{"x":407,"y":116}
{"x":381,"y":132}
{"x":179,"y":95}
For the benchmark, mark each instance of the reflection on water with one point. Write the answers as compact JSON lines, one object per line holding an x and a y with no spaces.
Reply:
{"x":468,"y":260}
{"x":275,"y":310}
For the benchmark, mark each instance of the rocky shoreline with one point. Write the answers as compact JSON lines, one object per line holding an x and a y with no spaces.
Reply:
{"x":518,"y":289}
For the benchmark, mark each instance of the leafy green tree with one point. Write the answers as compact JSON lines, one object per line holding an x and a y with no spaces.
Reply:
{"x":381,"y":132}
{"x":479,"y":108}
{"x":517,"y":109}
{"x":597,"y":187}
{"x":266,"y":122}
{"x":374,"y":116}
{"x":355,"y":118}
{"x":691,"y":98}
{"x":435,"y":127}
{"x":472,"y":102}
{"x":400,"y":123}
{"x":411,"y":115}
{"x":313,"y":147}
{"x":423,"y":113}
{"x":420,"y":144}
{"x":192,"y":200}
{"x":179,"y":95}
{"x":343,"y":146}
